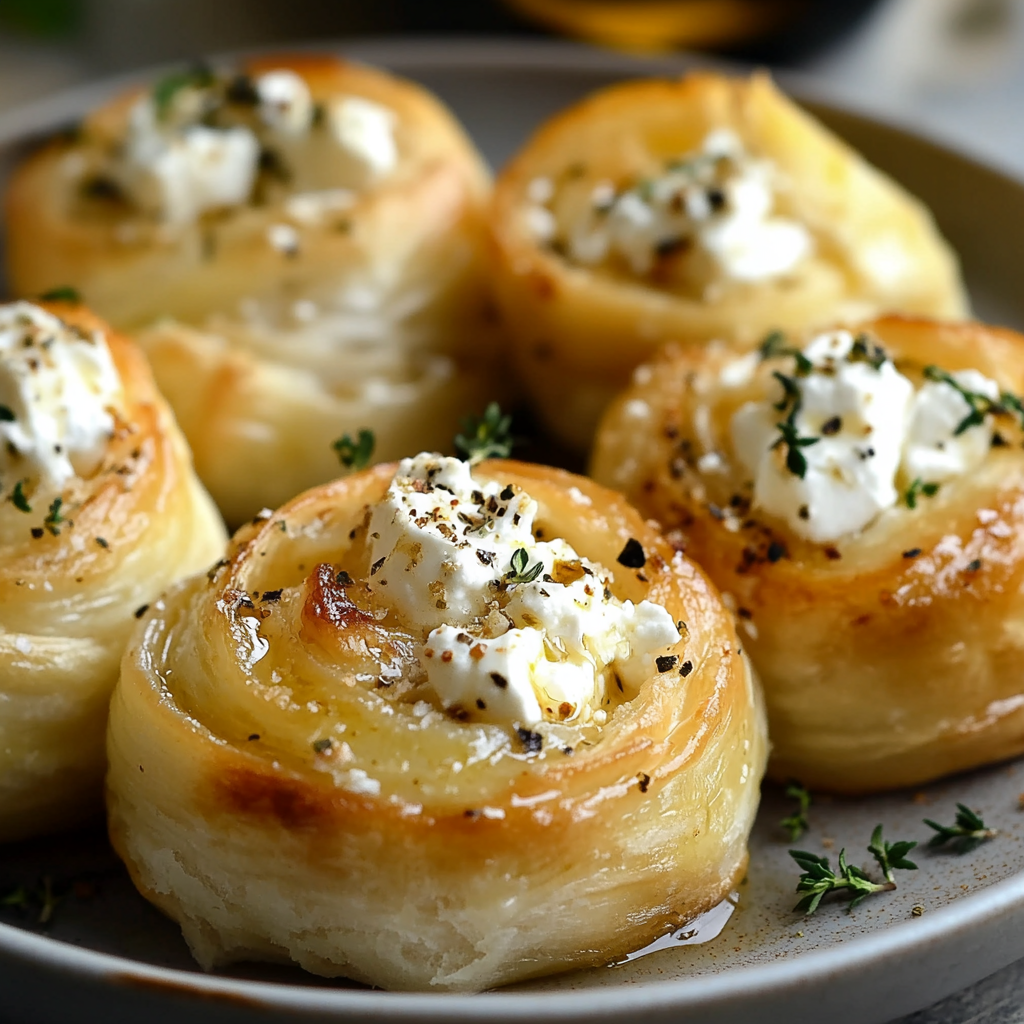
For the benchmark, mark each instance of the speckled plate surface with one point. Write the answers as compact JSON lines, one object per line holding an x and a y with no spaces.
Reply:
{"x":105,"y":954}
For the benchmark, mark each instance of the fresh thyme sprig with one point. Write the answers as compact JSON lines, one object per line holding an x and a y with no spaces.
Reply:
{"x":919,"y":487}
{"x":790,"y":436}
{"x":519,"y":572}
{"x":355,"y":454}
{"x":968,"y":832}
{"x":796,"y":824}
{"x":487,"y":436}
{"x":818,"y":880}
{"x":774,"y":347}
{"x":41,"y":898}
{"x":891,"y":856}
{"x":980,"y":405}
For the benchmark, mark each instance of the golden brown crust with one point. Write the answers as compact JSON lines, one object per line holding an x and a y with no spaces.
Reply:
{"x":891,"y":657}
{"x":591,"y":326}
{"x":402,"y":335}
{"x":417,"y":850}
{"x":68,"y":597}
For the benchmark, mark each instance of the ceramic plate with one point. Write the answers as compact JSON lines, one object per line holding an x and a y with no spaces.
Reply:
{"x":105,"y":954}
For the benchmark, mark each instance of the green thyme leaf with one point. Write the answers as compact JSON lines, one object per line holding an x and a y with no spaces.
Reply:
{"x":487,"y":436}
{"x":19,"y":499}
{"x":168,"y":87}
{"x":55,"y":517}
{"x":790,"y":392}
{"x":864,"y":350}
{"x":919,"y":487}
{"x":65,"y":293}
{"x":967,"y":833}
{"x":355,"y":454}
{"x":890,"y":856}
{"x":519,"y":572}
{"x":796,"y":824}
{"x":42,"y":898}
{"x":18,"y":897}
{"x":774,"y":347}
{"x":6,"y":415}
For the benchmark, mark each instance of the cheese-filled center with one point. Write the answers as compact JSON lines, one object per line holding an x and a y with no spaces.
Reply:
{"x":709,"y":215}
{"x":845,"y":435}
{"x":59,"y":394}
{"x":515,"y":630}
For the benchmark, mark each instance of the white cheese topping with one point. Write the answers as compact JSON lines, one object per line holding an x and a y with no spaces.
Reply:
{"x":311,"y":208}
{"x":58,"y":387}
{"x":176,"y":173}
{"x":285,"y":103}
{"x":864,"y":428}
{"x":516,"y":630}
{"x":934,"y":452}
{"x":366,"y":130}
{"x":718,"y":198}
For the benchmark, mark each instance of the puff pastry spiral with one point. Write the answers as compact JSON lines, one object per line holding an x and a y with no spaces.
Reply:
{"x":286,"y":782}
{"x":96,"y":519}
{"x":689,"y":210}
{"x":881,"y":595}
{"x":297,"y":244}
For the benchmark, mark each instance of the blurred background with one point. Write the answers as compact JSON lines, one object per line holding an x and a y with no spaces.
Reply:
{"x":953,"y":68}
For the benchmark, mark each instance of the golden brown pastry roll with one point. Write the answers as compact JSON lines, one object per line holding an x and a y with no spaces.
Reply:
{"x":858,"y":499}
{"x":434,"y":727}
{"x":100,"y":511}
{"x":689,"y":210}
{"x":298,"y":245}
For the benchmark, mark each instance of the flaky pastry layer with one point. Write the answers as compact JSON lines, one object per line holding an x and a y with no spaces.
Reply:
{"x":69,"y":596}
{"x":281,"y":798}
{"x":891,"y":657}
{"x":578,"y":330}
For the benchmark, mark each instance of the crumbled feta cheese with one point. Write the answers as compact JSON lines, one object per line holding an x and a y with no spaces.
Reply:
{"x":866,"y":427}
{"x":719,"y":198}
{"x":284,"y":238}
{"x":934,"y":452}
{"x":366,"y":130}
{"x":739,"y":372}
{"x":176,"y":173}
{"x":285,"y":103}
{"x":540,"y":190}
{"x":712,"y":462}
{"x":310,"y":208}
{"x":58,"y":389}
{"x":541,"y":223}
{"x":515,"y":630}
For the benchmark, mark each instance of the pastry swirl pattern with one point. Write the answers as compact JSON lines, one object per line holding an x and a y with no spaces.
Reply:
{"x":285,"y":786}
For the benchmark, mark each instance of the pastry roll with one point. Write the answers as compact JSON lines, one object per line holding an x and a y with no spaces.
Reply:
{"x":434,"y":727}
{"x":859,"y":499}
{"x":689,"y":210}
{"x":100,"y":511}
{"x":298,"y":247}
